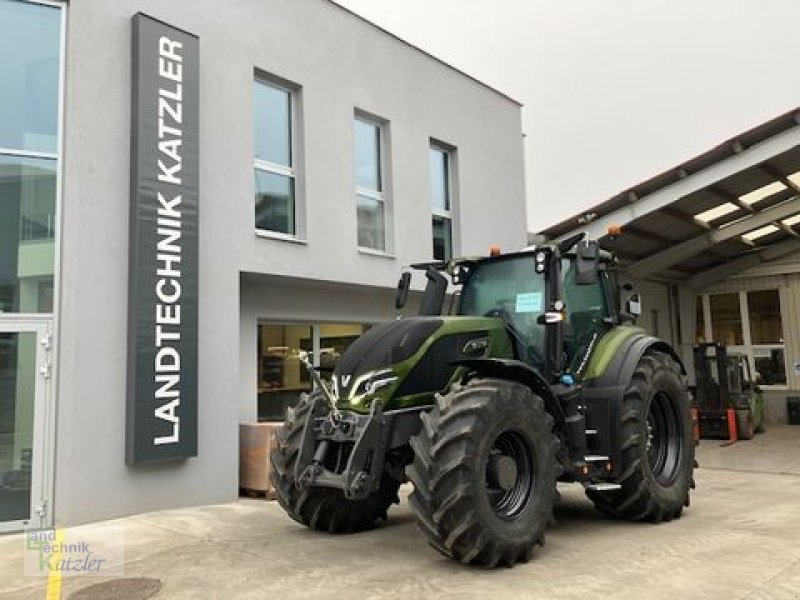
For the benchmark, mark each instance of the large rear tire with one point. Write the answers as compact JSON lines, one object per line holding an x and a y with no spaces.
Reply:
{"x":322,"y":509}
{"x":657,"y":446}
{"x":484,"y":473}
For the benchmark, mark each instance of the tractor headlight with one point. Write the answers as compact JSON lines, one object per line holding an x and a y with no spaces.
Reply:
{"x":371,"y":383}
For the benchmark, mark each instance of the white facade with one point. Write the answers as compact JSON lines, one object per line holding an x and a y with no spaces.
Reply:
{"x":336,"y":66}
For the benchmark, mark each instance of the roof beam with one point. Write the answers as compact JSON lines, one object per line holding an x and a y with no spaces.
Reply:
{"x":680,"y":252}
{"x":723,"y":194}
{"x":748,"y":261}
{"x":665,"y":196}
{"x":773,"y":172}
{"x":686,"y":218}
{"x":648,"y":236}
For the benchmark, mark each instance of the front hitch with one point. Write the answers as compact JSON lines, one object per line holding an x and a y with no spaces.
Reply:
{"x":323,"y":438}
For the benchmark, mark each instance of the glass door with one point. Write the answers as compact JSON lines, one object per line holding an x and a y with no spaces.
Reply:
{"x":24,"y":377}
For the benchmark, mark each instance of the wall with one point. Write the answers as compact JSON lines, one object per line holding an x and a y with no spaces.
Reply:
{"x":341,"y":63}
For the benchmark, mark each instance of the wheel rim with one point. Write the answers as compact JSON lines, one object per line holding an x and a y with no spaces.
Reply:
{"x":510,"y":476}
{"x":664,"y":440}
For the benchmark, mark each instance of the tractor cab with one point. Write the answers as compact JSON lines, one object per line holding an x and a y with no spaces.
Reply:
{"x":554,"y":302}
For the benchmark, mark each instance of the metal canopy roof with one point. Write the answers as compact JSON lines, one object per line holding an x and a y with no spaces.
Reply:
{"x":730,"y":209}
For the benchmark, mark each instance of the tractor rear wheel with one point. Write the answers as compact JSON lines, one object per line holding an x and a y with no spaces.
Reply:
{"x":657,"y":446}
{"x":484,"y":472}
{"x":322,"y":509}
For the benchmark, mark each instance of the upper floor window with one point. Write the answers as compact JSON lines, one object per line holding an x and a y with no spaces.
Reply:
{"x":30,"y":42}
{"x":370,"y":184}
{"x":441,"y":202}
{"x":275,"y":179}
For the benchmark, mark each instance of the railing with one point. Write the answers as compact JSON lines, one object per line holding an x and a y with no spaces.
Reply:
{"x":36,"y":227}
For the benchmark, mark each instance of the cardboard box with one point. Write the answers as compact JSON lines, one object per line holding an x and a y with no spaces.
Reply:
{"x":256,"y":442}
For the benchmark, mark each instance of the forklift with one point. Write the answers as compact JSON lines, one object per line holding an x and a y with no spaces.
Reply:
{"x":725,"y":381}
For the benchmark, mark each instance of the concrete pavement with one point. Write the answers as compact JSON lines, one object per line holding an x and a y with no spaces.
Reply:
{"x":739,"y":539}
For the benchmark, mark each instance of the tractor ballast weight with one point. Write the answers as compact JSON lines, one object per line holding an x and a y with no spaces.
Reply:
{"x":537,"y":378}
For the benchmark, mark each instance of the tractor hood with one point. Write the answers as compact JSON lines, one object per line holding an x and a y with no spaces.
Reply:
{"x":404,"y":362}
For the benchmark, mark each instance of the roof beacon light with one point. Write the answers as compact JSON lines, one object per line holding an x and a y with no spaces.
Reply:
{"x":614,"y":230}
{"x":494,"y":250}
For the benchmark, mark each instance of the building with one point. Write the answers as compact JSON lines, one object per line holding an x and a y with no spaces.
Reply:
{"x":190,"y":194}
{"x":713,"y":248}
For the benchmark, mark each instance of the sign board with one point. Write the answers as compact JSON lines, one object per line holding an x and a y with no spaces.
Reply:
{"x":162,"y":297}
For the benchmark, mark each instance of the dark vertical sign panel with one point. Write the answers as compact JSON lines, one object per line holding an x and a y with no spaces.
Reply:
{"x":162,"y":310}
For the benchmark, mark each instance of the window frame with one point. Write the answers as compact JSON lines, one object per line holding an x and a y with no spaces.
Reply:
{"x":57,"y":157}
{"x":290,"y":171}
{"x":438,"y":213}
{"x":381,"y":196}
{"x":52,"y":321}
{"x":747,"y":347}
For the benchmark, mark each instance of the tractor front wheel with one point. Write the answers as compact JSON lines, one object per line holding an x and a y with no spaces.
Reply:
{"x":318,"y":508}
{"x":657,"y":447}
{"x":484,"y":472}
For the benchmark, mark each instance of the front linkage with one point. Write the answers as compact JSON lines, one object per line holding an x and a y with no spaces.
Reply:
{"x":343,"y":451}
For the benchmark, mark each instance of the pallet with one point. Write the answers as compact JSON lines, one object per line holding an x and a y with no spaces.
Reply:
{"x":258,"y":494}
{"x":256,"y":443}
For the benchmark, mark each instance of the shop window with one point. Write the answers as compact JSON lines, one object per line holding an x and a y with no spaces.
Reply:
{"x":726,"y":319}
{"x":752,"y":322}
{"x":275,"y":180}
{"x":766,"y":332}
{"x":370,"y":184}
{"x":30,"y":58}
{"x":441,"y":201}
{"x":770,"y":366}
{"x":30,"y":40}
{"x":27,"y":227}
{"x":282,"y":377}
{"x":764,"y":310}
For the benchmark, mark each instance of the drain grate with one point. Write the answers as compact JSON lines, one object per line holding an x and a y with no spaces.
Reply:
{"x":131,"y":588}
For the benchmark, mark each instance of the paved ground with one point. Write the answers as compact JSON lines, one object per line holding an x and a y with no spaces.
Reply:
{"x":739,"y":539}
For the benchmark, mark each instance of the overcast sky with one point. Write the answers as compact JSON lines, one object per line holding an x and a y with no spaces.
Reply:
{"x":615,"y":91}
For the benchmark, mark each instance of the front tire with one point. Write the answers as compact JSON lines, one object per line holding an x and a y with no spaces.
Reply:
{"x":322,"y":509}
{"x":657,"y":446}
{"x":484,"y":473}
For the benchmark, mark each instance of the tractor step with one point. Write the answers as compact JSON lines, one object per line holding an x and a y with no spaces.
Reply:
{"x":602,"y":487}
{"x":595,"y":458}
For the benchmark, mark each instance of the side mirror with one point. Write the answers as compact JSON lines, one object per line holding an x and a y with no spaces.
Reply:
{"x":403,"y":285}
{"x":435,"y":291}
{"x":634,"y":305}
{"x":586,"y":263}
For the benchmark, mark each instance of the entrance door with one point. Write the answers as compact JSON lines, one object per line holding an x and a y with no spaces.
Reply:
{"x":24,"y":389}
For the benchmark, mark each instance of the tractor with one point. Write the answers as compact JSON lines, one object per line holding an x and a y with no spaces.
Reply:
{"x":534,"y":376}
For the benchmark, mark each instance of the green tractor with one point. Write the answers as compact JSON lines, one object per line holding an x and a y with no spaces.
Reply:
{"x":537,"y":378}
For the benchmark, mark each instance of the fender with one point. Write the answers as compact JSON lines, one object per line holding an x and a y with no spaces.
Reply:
{"x":516,"y":370}
{"x":604,"y":393}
